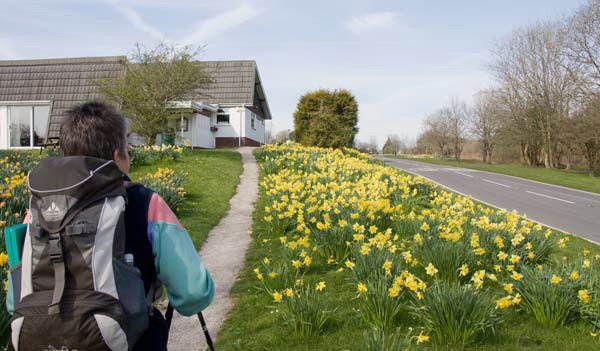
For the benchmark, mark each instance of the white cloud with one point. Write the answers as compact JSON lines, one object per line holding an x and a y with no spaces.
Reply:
{"x":377,"y":20}
{"x":222,"y":22}
{"x":7,"y":49}
{"x":137,"y":21}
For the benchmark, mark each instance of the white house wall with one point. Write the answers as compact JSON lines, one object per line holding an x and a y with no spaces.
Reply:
{"x":231,"y":130}
{"x":258,"y":133}
{"x":3,"y":127}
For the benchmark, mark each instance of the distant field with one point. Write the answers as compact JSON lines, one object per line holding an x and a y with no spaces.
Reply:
{"x":571,"y":179}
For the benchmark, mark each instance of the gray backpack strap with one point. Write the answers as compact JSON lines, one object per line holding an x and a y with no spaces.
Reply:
{"x":57,"y":258}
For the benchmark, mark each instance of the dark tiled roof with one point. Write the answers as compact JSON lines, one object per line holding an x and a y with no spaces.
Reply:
{"x":235,"y":82}
{"x":67,"y":81}
{"x":64,"y":82}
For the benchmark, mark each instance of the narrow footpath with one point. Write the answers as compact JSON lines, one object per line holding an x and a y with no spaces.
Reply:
{"x":223,"y":254}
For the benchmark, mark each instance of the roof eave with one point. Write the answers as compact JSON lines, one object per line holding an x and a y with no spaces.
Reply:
{"x":265,"y":104}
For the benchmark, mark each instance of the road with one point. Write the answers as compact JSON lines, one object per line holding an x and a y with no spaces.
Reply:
{"x":569,"y":210}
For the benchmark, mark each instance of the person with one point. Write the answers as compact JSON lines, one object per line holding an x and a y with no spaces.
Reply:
{"x":162,"y":248}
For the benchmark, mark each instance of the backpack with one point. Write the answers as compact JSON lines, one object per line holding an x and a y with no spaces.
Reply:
{"x":76,"y":287}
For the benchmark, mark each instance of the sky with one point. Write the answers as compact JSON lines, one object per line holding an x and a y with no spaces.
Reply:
{"x":401,"y":59}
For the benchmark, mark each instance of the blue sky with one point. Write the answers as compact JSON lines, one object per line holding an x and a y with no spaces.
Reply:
{"x":401,"y":59}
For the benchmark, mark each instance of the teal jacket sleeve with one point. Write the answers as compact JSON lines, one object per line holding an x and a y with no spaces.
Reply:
{"x":190,"y":287}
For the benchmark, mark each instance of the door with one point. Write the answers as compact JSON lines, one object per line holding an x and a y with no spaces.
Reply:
{"x":203,"y":136}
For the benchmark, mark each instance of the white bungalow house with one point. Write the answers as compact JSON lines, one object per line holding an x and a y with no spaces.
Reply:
{"x":34,"y":95}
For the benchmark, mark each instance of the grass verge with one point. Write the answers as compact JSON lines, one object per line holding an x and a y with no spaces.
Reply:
{"x":252,"y":326}
{"x":570,"y":179}
{"x":212,"y":178}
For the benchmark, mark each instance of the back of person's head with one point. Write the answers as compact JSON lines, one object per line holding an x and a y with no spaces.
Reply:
{"x":94,"y":129}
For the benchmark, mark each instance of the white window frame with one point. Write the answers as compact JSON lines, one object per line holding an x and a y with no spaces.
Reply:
{"x":31,"y":104}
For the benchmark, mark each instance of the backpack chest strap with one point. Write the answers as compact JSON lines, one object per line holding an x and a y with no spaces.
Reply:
{"x":81,"y":228}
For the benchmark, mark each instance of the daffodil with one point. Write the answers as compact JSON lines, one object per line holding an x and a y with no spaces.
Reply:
{"x":463,"y":270}
{"x":583,"y":296}
{"x":3,"y":259}
{"x":394,"y":291}
{"x":430,"y":269}
{"x":422,"y":338}
{"x":586,"y":264}
{"x":504,"y":302}
{"x":574,"y":275}
{"x":516,"y":276}
{"x":361,"y":288}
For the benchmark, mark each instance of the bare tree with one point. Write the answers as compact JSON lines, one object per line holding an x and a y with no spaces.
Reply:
{"x":438,"y":131}
{"x":393,"y":145}
{"x":372,"y":145}
{"x":268,"y":136}
{"x":369,"y":147}
{"x":587,"y":126}
{"x":457,"y":115}
{"x":582,"y":48}
{"x":533,"y":74}
{"x":282,"y":136}
{"x":425,"y":143}
{"x":486,"y":121}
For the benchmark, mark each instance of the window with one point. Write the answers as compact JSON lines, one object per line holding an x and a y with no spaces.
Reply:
{"x":183,"y":123}
{"x":222,"y":117}
{"x":28,"y":125}
{"x":252,"y":122}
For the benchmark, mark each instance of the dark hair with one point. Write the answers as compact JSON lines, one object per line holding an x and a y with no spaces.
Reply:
{"x":94,"y":129}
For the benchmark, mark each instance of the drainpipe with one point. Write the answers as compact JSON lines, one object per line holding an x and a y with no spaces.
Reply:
{"x":240,"y":136}
{"x":192,"y":124}
{"x":181,"y":125}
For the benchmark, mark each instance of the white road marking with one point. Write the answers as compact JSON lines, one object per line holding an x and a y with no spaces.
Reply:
{"x":423,"y":169}
{"x":504,"y":185}
{"x":466,"y":175}
{"x":550,"y":197}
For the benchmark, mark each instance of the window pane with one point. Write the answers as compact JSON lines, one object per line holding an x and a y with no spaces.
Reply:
{"x":185,"y":124}
{"x":222,"y":118}
{"x":20,"y":128}
{"x":40,"y":124}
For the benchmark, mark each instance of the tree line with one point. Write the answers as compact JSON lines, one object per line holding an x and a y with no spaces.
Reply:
{"x":545,"y":105}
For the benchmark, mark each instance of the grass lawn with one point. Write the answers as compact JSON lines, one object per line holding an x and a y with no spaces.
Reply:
{"x":571,"y":179}
{"x":212,"y":178}
{"x":252,"y":326}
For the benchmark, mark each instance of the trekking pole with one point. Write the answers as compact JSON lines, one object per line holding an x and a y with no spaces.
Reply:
{"x":169,"y":318}
{"x":206,"y":334}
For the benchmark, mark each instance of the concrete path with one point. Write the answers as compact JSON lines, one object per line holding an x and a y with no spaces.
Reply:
{"x":223,"y":254}
{"x":569,"y":210}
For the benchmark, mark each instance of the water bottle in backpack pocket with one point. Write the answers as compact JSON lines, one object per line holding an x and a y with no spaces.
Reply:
{"x":72,"y":289}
